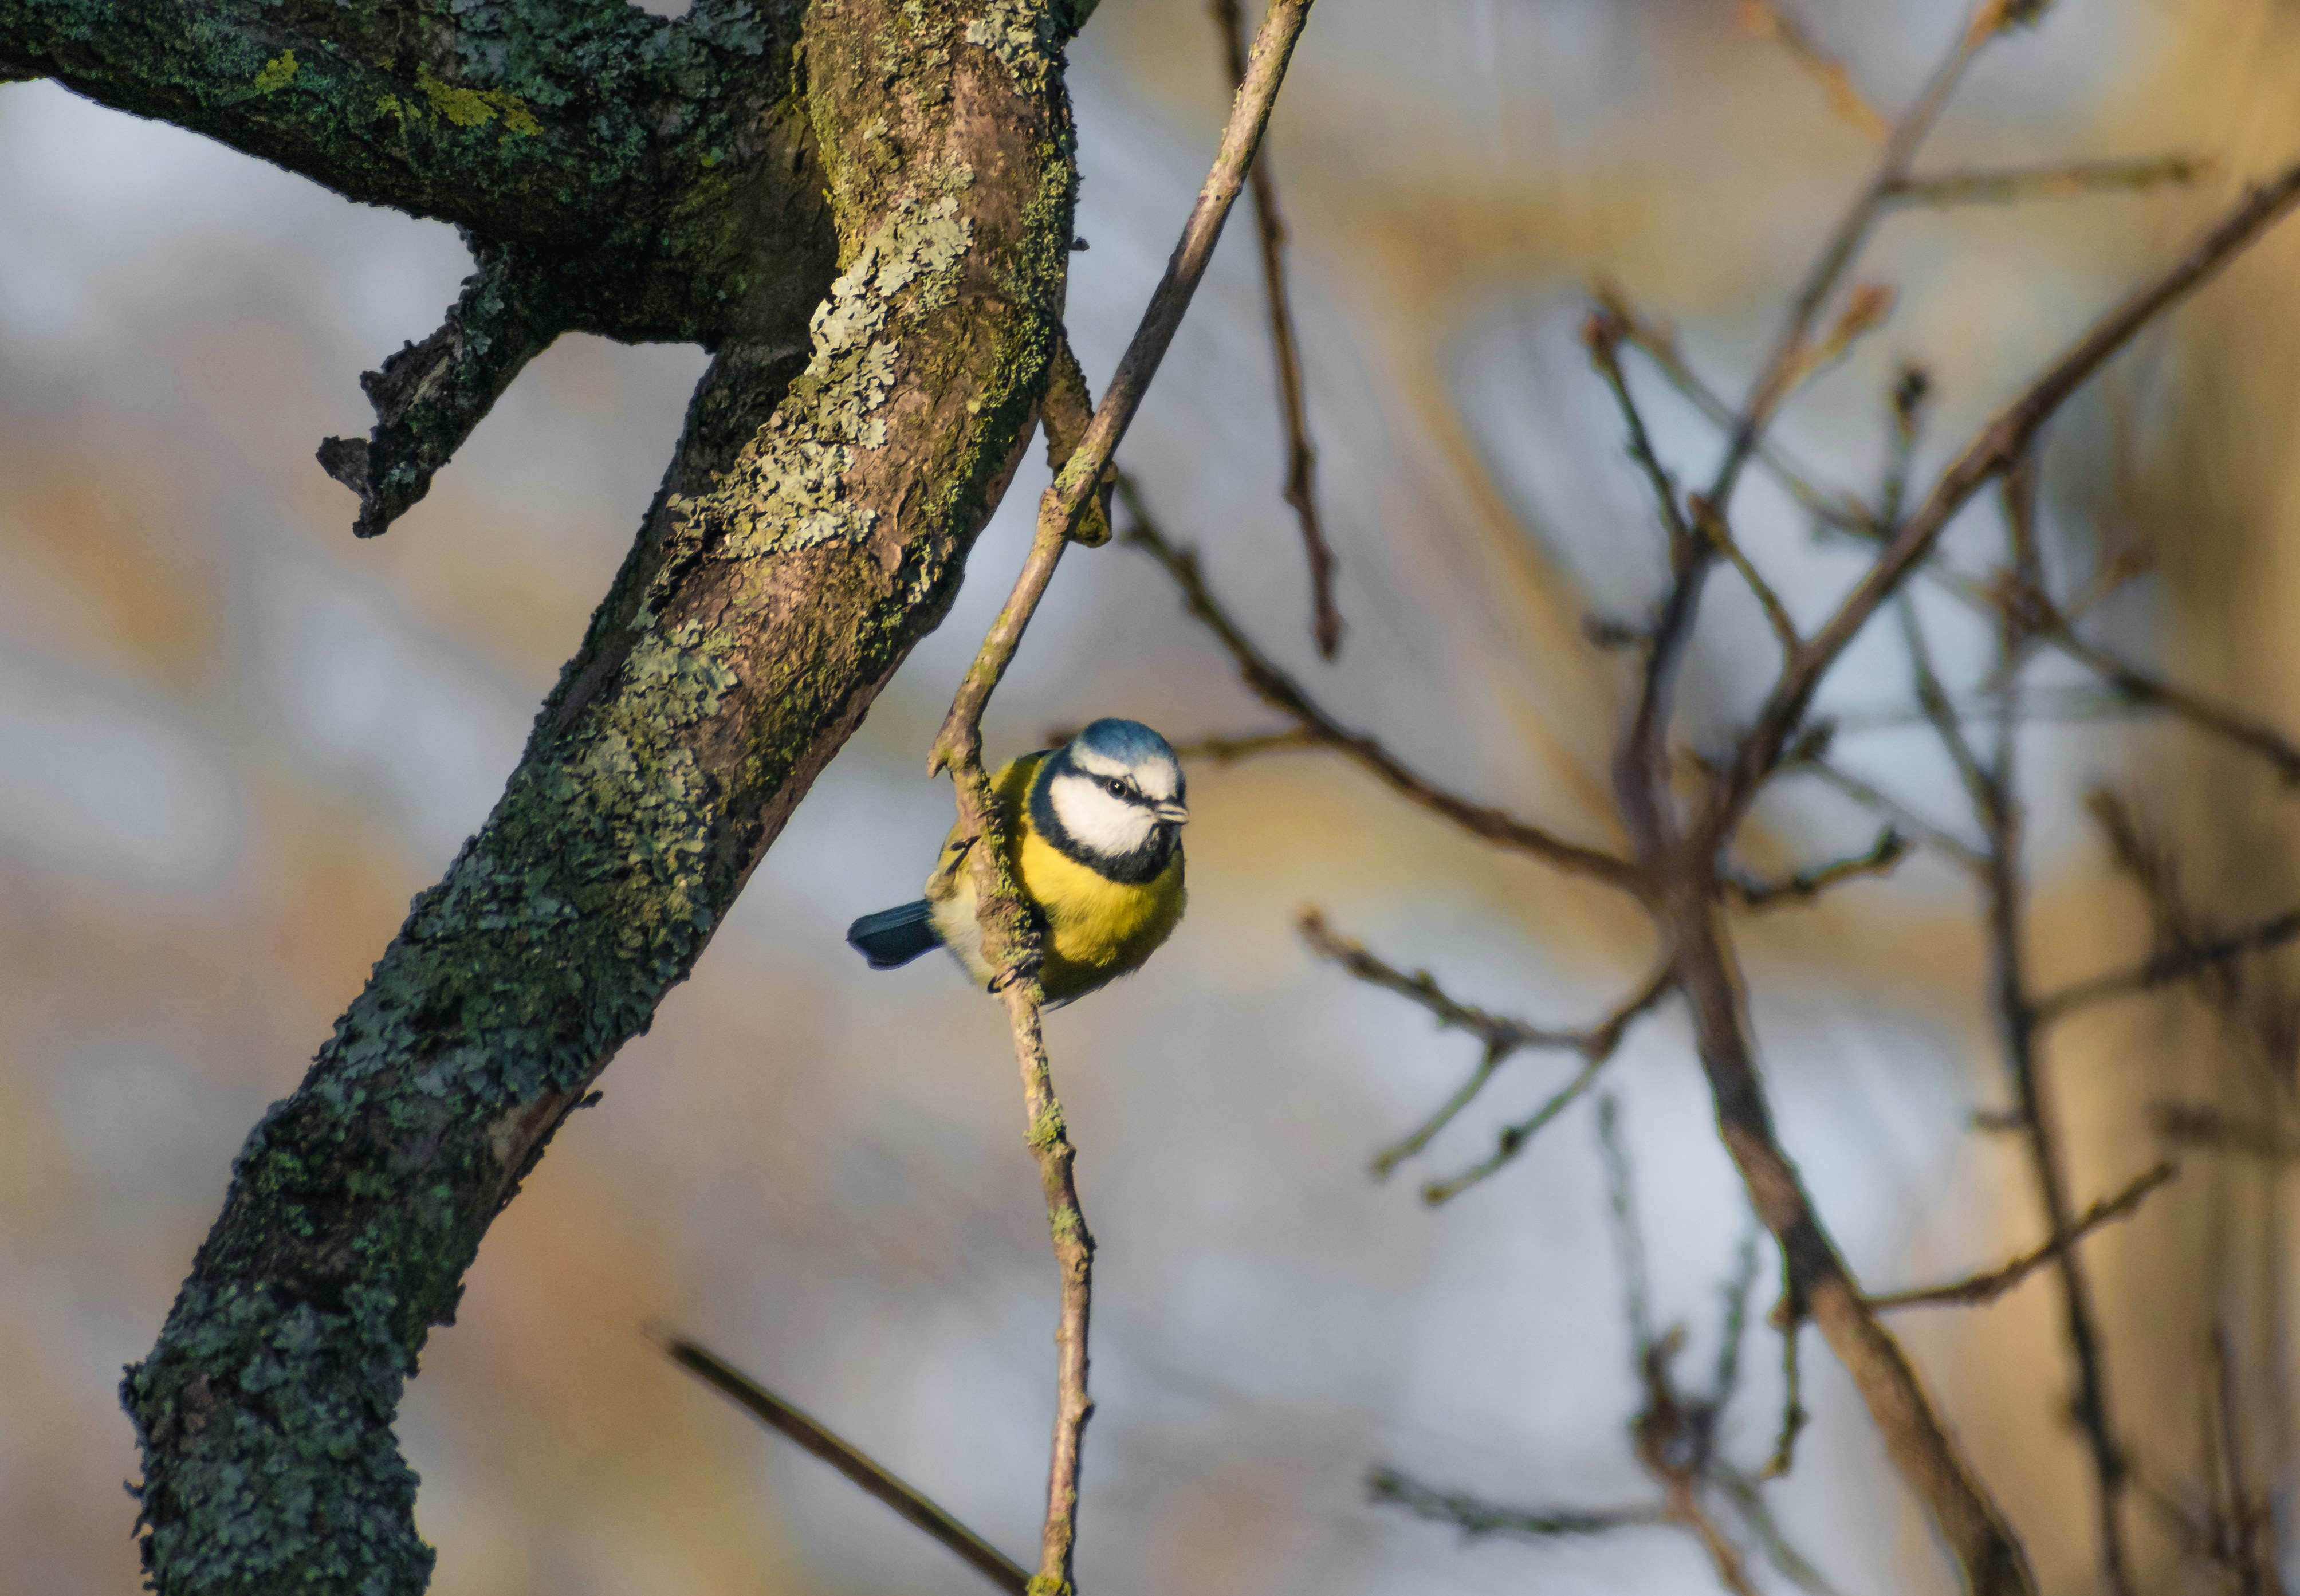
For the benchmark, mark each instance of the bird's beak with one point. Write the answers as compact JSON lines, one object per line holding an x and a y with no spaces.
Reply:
{"x":1173,"y":815}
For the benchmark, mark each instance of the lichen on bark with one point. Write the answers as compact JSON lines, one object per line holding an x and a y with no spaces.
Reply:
{"x":874,"y":205}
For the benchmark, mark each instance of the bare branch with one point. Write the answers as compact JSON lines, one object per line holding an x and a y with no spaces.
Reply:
{"x":1878,"y":801}
{"x":1474,"y":1517}
{"x":1301,"y":459}
{"x":1889,"y":849}
{"x":1835,"y":508}
{"x":1282,"y":693}
{"x":1602,"y":335}
{"x":846,"y":1458}
{"x":1711,"y":523}
{"x":1502,"y":1037}
{"x":1990,"y":454}
{"x":1598,"y":1048}
{"x":1230,"y":750}
{"x":1975,"y":1289}
{"x":2175,"y":964}
{"x":1012,"y":939}
{"x":2141,"y":687}
{"x":2196,"y":1124}
{"x":2031,"y":182}
{"x":1763,"y":18}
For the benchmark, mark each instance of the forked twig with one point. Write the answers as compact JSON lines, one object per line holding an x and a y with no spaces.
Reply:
{"x":1502,"y":1038}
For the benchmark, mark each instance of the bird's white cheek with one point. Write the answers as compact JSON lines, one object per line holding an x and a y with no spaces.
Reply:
{"x":1098,"y":822}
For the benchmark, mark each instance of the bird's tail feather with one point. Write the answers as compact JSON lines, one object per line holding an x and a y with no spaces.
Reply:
{"x":896,"y":936}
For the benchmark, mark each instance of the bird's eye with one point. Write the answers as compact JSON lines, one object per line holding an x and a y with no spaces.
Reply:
{"x":1114,"y":787}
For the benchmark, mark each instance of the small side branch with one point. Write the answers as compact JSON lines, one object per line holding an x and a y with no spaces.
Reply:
{"x":430,"y":395}
{"x":1767,"y":19}
{"x":1597,"y":1048}
{"x":2034,"y":182}
{"x":1889,"y":849}
{"x":1474,"y":1517}
{"x":1283,"y":694}
{"x":1301,"y":459}
{"x":1502,"y":1037}
{"x":2178,"y":964}
{"x":1976,"y":1290}
{"x":846,"y":1458}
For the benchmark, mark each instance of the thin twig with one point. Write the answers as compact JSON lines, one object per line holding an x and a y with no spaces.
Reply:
{"x":2175,"y":964}
{"x":1474,"y":1517}
{"x":1301,"y":459}
{"x":1889,"y":849}
{"x":1502,"y":1037}
{"x":1879,"y":802}
{"x":846,"y":1458}
{"x":1283,"y":694}
{"x":2141,"y":687}
{"x":1835,"y":509}
{"x":1749,"y":1500}
{"x":1991,"y":452}
{"x":1629,"y":1237}
{"x":1711,"y":523}
{"x":2192,"y":1124}
{"x":1602,"y":335}
{"x":1230,"y":750}
{"x":1673,"y":1439}
{"x":1763,"y":18}
{"x":1789,"y":1317}
{"x":1975,"y":1289}
{"x":2030,"y":182}
{"x":1011,"y":940}
{"x":1602,"y":1044}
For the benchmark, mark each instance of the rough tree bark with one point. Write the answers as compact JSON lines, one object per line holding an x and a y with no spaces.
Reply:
{"x":863,"y":207}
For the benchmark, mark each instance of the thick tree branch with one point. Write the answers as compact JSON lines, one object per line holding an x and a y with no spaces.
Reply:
{"x":782,"y":575}
{"x":548,"y":122}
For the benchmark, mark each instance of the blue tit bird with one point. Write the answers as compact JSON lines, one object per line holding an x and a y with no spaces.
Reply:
{"x":1098,"y":824}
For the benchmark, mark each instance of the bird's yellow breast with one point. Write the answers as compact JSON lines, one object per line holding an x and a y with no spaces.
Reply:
{"x":1097,"y":929}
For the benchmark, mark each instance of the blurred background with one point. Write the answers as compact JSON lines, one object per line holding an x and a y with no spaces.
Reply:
{"x":234,"y":742}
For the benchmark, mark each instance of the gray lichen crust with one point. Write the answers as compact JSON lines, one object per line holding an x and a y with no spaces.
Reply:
{"x":877,"y":364}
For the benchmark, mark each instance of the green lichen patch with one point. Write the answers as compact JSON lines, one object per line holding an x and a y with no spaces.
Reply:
{"x":476,"y":107}
{"x":1027,"y":37}
{"x":791,"y":492}
{"x":278,"y":73}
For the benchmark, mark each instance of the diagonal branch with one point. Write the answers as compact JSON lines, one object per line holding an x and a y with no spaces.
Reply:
{"x":1282,"y":693}
{"x":559,"y":126}
{"x":848,"y":1459}
{"x":2175,"y":964}
{"x":1976,"y":1290}
{"x":1011,"y":937}
{"x":710,"y":692}
{"x":430,"y":395}
{"x":1502,"y":1038}
{"x":1990,"y":453}
{"x":1301,"y":459}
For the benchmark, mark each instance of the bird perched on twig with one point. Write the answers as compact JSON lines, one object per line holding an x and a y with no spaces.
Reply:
{"x":1097,"y":832}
